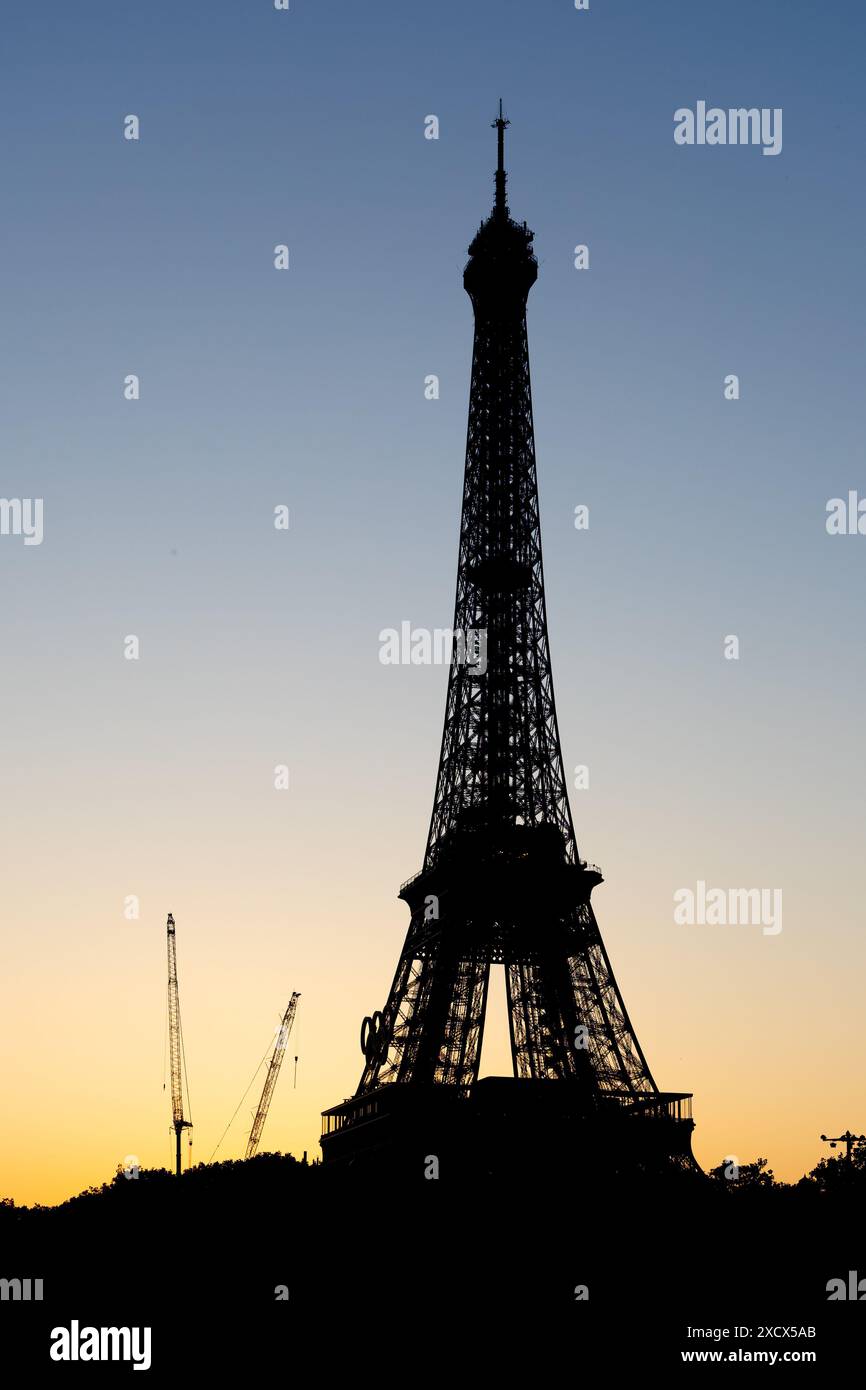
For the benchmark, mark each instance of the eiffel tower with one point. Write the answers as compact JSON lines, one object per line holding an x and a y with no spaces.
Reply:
{"x":503,"y":881}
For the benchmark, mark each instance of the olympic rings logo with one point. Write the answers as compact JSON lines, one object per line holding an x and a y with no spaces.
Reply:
{"x":371,"y":1034}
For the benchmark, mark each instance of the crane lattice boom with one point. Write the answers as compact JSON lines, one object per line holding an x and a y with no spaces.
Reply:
{"x":174,"y":1041}
{"x":273,"y":1072}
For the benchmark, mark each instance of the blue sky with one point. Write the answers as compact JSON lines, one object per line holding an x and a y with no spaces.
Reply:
{"x":306,"y":388}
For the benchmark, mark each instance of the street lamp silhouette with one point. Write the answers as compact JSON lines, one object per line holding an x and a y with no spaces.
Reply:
{"x":848,"y":1139}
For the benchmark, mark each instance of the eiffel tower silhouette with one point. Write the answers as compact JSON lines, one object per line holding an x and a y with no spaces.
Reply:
{"x":502,"y":880}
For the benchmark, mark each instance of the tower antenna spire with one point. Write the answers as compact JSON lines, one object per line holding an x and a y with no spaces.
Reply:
{"x":499,"y":124}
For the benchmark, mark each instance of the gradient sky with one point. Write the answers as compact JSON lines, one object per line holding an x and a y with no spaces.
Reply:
{"x":261,"y":647}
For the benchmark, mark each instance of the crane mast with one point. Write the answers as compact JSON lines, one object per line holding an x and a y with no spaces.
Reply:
{"x":271,"y":1078}
{"x":175,"y":1044}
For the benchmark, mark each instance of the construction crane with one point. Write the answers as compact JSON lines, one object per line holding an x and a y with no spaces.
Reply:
{"x":175,"y":1046}
{"x":274,"y":1065}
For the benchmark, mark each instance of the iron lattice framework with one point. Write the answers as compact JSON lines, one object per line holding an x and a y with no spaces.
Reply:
{"x":502,"y":879}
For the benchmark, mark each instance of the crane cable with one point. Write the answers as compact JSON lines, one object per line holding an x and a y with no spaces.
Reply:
{"x":185,"y":1073}
{"x":186,"y":1078}
{"x":164,"y":1041}
{"x":242,"y":1099}
{"x":165,"y":1070}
